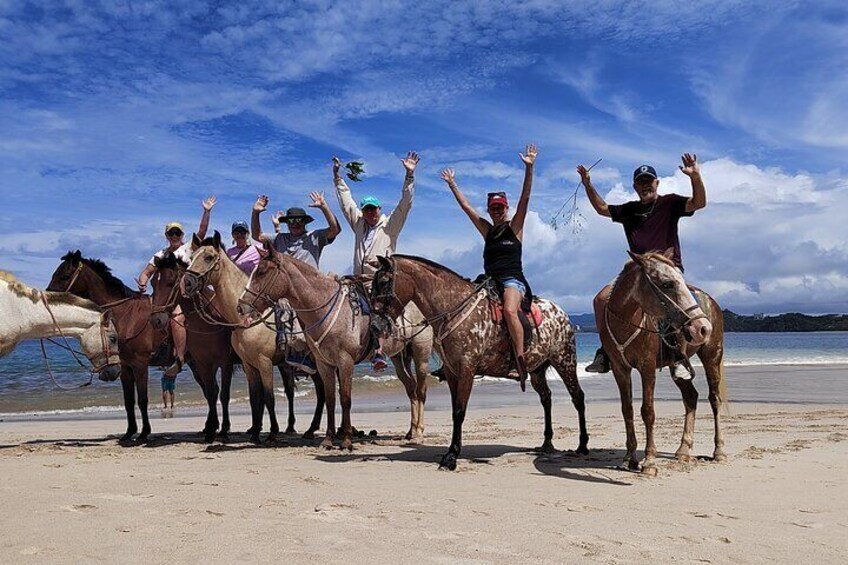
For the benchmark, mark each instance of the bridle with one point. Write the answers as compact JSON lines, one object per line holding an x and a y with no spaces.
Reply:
{"x":173,"y":295}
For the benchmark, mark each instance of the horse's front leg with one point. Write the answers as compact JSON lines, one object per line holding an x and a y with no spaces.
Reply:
{"x":141,"y":391}
{"x":540,"y":385}
{"x":345,"y":374}
{"x":287,"y":373}
{"x":266,"y":371}
{"x":328,"y":378}
{"x":254,"y":388}
{"x":690,"y":404}
{"x":625,"y":391}
{"x":128,"y":387}
{"x":460,"y":388}
{"x":226,"y":383}
{"x":319,"y":407}
{"x":401,"y":364}
{"x":649,"y":381}
{"x":712,"y":359}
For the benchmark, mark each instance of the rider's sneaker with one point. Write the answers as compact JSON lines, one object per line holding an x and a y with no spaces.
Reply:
{"x":378,"y":362}
{"x":174,"y":370}
{"x":304,"y":362}
{"x":601,"y":363}
{"x":679,"y":371}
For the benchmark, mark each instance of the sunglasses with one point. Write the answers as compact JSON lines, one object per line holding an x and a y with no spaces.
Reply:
{"x":173,"y":233}
{"x":493,"y":194}
{"x":295,"y":221}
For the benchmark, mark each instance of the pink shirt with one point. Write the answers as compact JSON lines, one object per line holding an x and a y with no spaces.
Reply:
{"x":248,"y":260}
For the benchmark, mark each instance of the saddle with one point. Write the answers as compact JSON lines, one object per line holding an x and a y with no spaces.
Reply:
{"x":163,"y":356}
{"x":529,"y":314}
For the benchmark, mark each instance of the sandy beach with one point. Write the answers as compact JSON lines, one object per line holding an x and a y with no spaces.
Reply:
{"x":71,"y":494}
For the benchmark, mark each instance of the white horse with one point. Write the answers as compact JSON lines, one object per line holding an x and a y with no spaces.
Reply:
{"x":28,"y":313}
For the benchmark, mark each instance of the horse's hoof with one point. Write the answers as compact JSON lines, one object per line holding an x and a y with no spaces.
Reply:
{"x":250,"y":431}
{"x":408,"y":436}
{"x":632,"y":464}
{"x":272,"y":438}
{"x":683,"y":456}
{"x":649,"y":470}
{"x":347,"y":445}
{"x":209,"y":437}
{"x":719,"y":457}
{"x":547,"y":447}
{"x":582,"y":450}
{"x":290,"y":431}
{"x":126,"y":438}
{"x":327,"y":443}
{"x":308,"y":434}
{"x":448,"y":462}
{"x":223,"y":437}
{"x":254,"y":438}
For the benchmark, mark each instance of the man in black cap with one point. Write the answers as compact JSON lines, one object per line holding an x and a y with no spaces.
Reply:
{"x":298,"y":242}
{"x":650,"y":224}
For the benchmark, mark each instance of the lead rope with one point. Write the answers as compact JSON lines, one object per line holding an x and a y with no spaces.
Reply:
{"x":66,"y":346}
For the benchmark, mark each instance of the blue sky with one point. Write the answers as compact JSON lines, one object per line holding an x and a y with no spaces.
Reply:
{"x":118,"y":117}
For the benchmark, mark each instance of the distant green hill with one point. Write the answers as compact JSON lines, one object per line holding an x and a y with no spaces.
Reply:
{"x":791,"y":322}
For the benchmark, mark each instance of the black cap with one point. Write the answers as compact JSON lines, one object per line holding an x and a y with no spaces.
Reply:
{"x":296,"y":213}
{"x":644,"y":170}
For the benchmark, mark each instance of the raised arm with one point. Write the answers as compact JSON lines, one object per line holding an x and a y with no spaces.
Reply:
{"x":529,"y":160}
{"x":204,"y":219}
{"x":349,"y":208}
{"x":479,"y":222}
{"x":595,"y":199}
{"x":691,"y":169}
{"x":398,"y":216}
{"x":319,"y":202}
{"x":259,"y":206}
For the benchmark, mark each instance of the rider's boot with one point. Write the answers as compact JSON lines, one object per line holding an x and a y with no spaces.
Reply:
{"x":601,"y":363}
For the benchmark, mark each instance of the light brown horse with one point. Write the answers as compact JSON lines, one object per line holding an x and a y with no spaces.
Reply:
{"x":471,"y":343}
{"x":256,"y":345}
{"x":338,"y":334}
{"x":209,"y":346}
{"x":649,"y":290}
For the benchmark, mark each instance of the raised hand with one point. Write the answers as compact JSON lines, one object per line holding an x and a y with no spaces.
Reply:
{"x":448,"y":176}
{"x":690,"y":164}
{"x":337,"y":165}
{"x":317,"y":200}
{"x":209,"y":202}
{"x":261,"y":203}
{"x":529,"y":155}
{"x":410,"y":162}
{"x":275,"y":218}
{"x":584,"y":174}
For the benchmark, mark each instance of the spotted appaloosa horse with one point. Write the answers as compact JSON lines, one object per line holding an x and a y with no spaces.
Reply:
{"x":471,"y":343}
{"x":648,"y":290}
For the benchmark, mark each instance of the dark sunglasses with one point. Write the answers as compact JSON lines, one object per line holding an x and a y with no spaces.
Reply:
{"x":295,"y":221}
{"x":173,"y":233}
{"x":493,"y":194}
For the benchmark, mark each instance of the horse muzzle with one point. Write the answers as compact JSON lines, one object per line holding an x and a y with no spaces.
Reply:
{"x":698,"y":331}
{"x":192,"y":283}
{"x":159,"y":320}
{"x":109,"y":373}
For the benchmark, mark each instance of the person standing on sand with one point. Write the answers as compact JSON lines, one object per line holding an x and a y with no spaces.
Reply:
{"x":177,"y":245}
{"x":169,"y":386}
{"x":376,"y":235}
{"x":650,"y":224}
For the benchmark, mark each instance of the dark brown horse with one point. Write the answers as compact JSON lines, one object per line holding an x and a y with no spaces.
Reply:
{"x":137,"y":339}
{"x":649,"y":290}
{"x":208,"y":342}
{"x":471,"y":343}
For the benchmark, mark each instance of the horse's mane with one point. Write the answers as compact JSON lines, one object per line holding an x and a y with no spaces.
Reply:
{"x":113,"y":283}
{"x":170,"y":261}
{"x":431,"y":263}
{"x":33,"y":294}
{"x":658,"y":257}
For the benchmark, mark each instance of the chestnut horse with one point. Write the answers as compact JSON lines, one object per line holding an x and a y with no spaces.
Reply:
{"x":650,"y":289}
{"x":209,"y":342}
{"x":137,"y":339}
{"x":471,"y":343}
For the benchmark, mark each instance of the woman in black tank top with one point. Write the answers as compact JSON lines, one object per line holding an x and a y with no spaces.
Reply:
{"x":502,"y":251}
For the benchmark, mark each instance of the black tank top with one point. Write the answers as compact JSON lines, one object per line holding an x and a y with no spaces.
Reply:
{"x":502,"y":253}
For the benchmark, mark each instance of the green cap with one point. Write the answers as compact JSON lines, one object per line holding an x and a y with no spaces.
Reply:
{"x":370,"y":201}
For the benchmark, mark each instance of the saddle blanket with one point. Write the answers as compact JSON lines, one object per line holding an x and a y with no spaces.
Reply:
{"x":496,"y":310}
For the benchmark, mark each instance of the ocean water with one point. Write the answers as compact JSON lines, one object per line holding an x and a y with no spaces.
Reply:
{"x":26,"y":388}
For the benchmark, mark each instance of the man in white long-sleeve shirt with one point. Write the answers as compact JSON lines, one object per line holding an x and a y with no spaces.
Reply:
{"x":375,"y":233}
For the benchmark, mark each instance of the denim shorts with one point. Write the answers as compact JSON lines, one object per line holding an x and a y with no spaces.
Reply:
{"x":512,"y":282}
{"x":169,"y":385}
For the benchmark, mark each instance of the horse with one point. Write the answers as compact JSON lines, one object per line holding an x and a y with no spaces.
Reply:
{"x":131,"y":311}
{"x":651,"y":288}
{"x":338,"y":333}
{"x":255,"y":345}
{"x":32,"y":314}
{"x":210,"y":347}
{"x":470,"y":343}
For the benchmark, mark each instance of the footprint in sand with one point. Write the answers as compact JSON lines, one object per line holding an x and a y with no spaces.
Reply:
{"x":80,"y":508}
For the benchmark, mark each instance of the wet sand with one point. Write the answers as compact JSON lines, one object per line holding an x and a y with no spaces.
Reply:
{"x":70,"y":493}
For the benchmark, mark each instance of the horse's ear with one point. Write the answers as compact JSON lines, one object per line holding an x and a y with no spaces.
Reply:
{"x":195,"y":242}
{"x":669,"y":253}
{"x":76,"y":256}
{"x":156,"y":261}
{"x":384,"y":263}
{"x":638,"y":259}
{"x":216,"y":239}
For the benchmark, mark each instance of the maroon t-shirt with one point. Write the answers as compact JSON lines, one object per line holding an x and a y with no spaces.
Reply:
{"x":652,"y":227}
